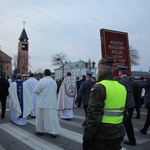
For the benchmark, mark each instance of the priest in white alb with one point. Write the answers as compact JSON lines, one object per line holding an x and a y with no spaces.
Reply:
{"x":46,"y":108}
{"x":32,"y":82}
{"x":66,"y":97}
{"x":21,"y":101}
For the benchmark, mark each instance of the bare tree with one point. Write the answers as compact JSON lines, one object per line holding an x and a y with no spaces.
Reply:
{"x":134,"y":56}
{"x":21,"y":63}
{"x":15,"y":61}
{"x":59,"y":60}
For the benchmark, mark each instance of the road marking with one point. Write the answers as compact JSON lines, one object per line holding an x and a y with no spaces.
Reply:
{"x":139,"y":139}
{"x":74,"y":136}
{"x":37,"y":143}
{"x":28,"y":138}
{"x":77,"y":137}
{"x":75,"y":116}
{"x":70,"y":123}
{"x":137,"y":130}
{"x":79,"y":117}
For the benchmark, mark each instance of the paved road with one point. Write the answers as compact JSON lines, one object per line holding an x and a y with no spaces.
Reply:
{"x":13,"y":137}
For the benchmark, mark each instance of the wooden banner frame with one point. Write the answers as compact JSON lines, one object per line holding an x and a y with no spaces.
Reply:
{"x":115,"y":44}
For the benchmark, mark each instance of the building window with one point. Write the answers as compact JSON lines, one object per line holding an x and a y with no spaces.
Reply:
{"x":25,"y":47}
{"x":78,"y":73}
{"x":75,"y":73}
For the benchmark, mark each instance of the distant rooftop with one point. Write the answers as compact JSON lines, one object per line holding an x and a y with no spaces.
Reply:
{"x":75,"y":64}
{"x":140,"y":73}
{"x":70,"y":64}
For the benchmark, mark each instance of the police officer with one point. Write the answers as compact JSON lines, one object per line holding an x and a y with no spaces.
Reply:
{"x":128,"y":83}
{"x":84,"y":91}
{"x":104,"y":129}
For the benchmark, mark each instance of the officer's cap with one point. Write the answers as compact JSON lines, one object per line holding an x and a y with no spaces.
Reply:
{"x":106,"y":60}
{"x":121,"y":68}
{"x":90,"y":73}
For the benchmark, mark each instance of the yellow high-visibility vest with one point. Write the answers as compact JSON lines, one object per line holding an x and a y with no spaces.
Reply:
{"x":114,"y":102}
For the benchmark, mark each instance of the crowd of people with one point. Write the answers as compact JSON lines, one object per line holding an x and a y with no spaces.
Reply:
{"x":108,"y":103}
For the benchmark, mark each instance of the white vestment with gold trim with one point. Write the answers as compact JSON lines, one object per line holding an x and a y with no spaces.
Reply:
{"x":66,"y":97}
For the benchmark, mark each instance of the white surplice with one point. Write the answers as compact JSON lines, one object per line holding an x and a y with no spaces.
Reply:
{"x":15,"y":105}
{"x":66,"y":97}
{"x":32,"y":82}
{"x":46,"y":107}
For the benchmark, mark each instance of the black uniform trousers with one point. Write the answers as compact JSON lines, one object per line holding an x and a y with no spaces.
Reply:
{"x":147,"y":122}
{"x":85,"y":110}
{"x":3,"y":105}
{"x":129,"y":127}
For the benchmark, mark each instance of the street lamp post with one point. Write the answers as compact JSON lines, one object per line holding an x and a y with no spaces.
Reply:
{"x":93,"y":64}
{"x":62,"y":63}
{"x":89,"y":65}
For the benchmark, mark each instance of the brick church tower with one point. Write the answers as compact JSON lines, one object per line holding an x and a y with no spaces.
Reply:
{"x":23,"y":52}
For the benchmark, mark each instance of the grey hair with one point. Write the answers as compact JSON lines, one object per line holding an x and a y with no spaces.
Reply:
{"x":105,"y":68}
{"x":18,"y":76}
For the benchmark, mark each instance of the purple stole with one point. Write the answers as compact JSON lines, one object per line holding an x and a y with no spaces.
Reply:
{"x":20,"y":94}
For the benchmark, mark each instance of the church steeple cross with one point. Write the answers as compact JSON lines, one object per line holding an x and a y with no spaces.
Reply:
{"x":24,"y":24}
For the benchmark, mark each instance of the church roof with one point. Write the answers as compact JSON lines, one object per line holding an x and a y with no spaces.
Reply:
{"x":75,"y":64}
{"x":4,"y":56}
{"x":70,"y":64}
{"x":23,"y":35}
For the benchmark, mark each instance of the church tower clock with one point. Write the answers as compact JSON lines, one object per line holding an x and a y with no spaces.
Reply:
{"x":23,"y":52}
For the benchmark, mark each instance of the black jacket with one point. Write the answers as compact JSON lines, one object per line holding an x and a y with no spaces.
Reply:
{"x":84,"y":91}
{"x":4,"y":85}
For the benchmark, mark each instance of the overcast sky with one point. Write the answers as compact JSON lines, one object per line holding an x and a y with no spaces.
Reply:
{"x":73,"y":27}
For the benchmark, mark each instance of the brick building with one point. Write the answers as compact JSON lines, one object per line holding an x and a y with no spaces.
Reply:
{"x":5,"y":63}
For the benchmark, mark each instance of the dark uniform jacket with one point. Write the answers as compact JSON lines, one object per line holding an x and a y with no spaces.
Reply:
{"x":128,"y":83}
{"x":94,"y":128}
{"x":84,"y":91}
{"x":146,"y":86}
{"x":136,"y":94}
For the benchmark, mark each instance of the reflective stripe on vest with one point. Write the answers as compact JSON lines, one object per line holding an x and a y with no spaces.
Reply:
{"x":114,"y":102}
{"x":109,"y":111}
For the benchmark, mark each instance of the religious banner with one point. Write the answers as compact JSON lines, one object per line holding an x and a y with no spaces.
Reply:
{"x":115,"y":44}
